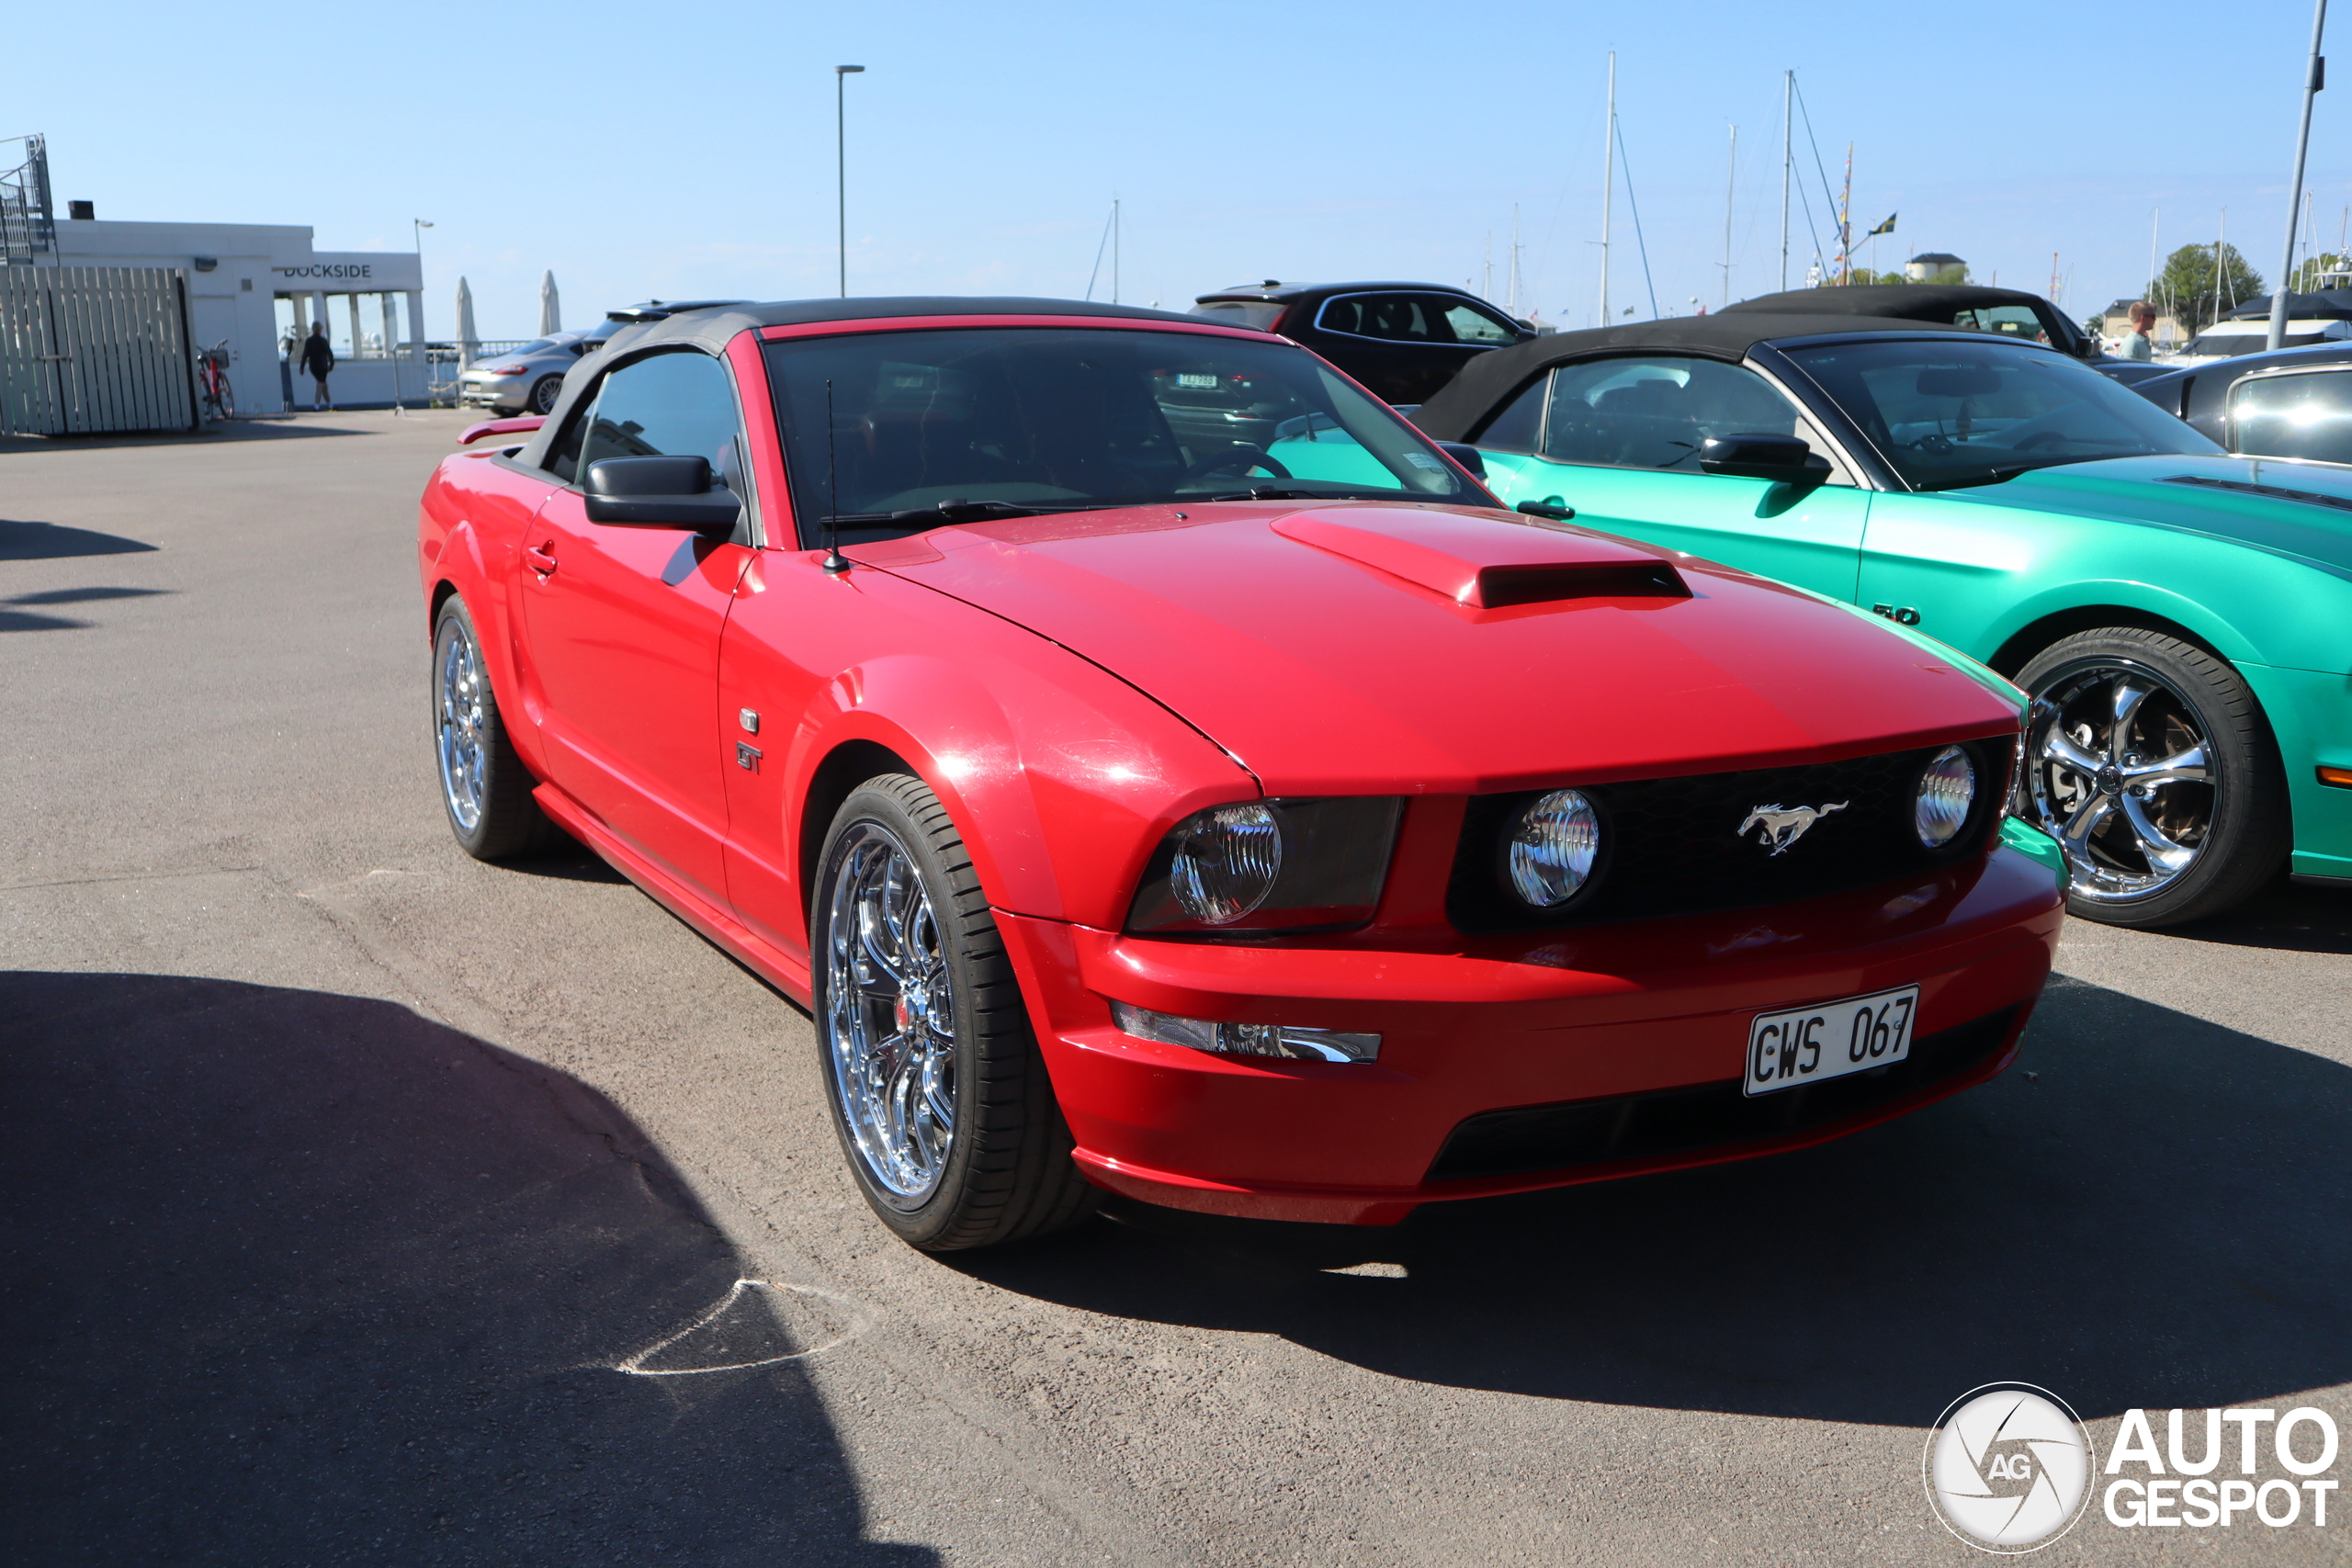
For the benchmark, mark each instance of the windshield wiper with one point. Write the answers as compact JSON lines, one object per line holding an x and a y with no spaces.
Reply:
{"x":2000,"y":472}
{"x":966,"y":512}
{"x":1278,"y":492}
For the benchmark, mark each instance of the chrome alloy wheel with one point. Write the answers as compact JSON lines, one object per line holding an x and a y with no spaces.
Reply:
{"x":463,"y":727}
{"x":2119,"y":770}
{"x":890,"y":1016}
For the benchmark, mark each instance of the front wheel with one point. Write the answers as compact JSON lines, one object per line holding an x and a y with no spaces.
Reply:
{"x":2148,"y":758}
{"x":937,"y":1090}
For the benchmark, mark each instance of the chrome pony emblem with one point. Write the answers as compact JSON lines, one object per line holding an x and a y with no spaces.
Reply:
{"x":1784,"y":825}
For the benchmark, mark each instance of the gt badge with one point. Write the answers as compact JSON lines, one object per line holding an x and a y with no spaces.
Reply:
{"x":1780,"y":826}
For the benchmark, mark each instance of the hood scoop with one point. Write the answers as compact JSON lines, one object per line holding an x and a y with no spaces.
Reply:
{"x":1485,"y":563}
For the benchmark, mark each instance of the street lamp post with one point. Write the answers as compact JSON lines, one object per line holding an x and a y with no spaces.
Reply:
{"x":2313,"y":80}
{"x":841,"y":163}
{"x":392,"y":351}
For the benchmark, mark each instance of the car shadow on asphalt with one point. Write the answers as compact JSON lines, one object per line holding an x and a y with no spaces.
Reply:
{"x":2289,"y":917}
{"x":295,"y":1277}
{"x":2154,"y":1217}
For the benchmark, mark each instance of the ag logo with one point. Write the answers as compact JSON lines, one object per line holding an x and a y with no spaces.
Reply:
{"x":2007,"y":1467}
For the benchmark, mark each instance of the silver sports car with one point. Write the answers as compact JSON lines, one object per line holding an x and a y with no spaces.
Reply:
{"x":528,"y":379}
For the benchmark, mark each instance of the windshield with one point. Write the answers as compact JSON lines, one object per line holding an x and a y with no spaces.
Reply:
{"x":946,"y":426}
{"x":1951,"y":413}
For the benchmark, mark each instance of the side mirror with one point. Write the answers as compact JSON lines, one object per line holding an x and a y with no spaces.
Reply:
{"x":659,"y":492}
{"x":1760,"y":457}
{"x":1465,"y":454}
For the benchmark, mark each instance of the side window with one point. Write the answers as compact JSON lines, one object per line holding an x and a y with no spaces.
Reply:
{"x":563,"y":457}
{"x":1470,"y":325}
{"x":1396,"y":318}
{"x":1652,"y":413}
{"x":1519,"y":427}
{"x":2008,"y":320}
{"x":677,"y":404}
{"x":2305,"y":415}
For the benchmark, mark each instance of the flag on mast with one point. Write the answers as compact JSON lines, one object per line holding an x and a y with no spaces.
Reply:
{"x":1885,"y":228}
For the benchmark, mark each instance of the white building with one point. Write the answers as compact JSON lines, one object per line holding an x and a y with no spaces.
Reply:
{"x":250,"y":283}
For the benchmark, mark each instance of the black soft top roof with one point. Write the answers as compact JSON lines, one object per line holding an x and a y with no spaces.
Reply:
{"x":1910,"y":301}
{"x":712,"y":329}
{"x":1487,"y":381}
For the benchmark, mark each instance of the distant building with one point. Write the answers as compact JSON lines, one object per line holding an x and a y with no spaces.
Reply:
{"x":1935,"y":266}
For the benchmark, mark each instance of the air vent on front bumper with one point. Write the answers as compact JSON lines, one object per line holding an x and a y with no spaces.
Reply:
{"x":1678,"y":1121}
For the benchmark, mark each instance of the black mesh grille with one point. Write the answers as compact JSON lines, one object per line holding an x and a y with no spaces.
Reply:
{"x":1639,"y":1126}
{"x":1674,"y":846}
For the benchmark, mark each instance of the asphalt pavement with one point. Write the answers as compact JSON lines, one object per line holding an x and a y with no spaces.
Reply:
{"x":367,"y":1204}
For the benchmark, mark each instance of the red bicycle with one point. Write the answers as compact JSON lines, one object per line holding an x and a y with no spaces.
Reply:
{"x":212,"y":382}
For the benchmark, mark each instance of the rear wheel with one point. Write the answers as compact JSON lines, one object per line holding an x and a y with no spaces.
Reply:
{"x":485,"y":791}
{"x":545,"y":392}
{"x":2148,"y":760}
{"x":937,"y":1090}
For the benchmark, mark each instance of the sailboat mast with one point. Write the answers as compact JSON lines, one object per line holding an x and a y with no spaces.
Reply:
{"x":1514,"y":260}
{"x":1114,"y":250}
{"x":1608,"y":183}
{"x":1731,"y":181}
{"x":1845,"y":223}
{"x":1788,"y":90}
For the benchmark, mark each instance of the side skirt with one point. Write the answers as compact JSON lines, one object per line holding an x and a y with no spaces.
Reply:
{"x":761,"y":957}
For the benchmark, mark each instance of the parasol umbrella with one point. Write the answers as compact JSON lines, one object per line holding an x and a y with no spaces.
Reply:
{"x":550,"y":306}
{"x":466,"y":335}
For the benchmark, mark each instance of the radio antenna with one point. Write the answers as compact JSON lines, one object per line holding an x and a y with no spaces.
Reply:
{"x":835,"y":562}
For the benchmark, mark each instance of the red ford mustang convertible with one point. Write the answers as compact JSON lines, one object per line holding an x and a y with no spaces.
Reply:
{"x":1160,"y":769}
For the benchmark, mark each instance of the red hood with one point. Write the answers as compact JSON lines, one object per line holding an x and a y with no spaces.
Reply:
{"x":1342,"y":650}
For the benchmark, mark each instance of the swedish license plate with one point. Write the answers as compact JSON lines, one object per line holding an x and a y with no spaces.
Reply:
{"x":1191,"y":378}
{"x":1802,"y":1045}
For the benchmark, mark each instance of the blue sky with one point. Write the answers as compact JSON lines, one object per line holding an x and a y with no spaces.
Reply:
{"x":689,"y":150}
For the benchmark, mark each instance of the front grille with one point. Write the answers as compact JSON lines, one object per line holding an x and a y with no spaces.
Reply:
{"x":1674,"y":846}
{"x":1641,"y":1126}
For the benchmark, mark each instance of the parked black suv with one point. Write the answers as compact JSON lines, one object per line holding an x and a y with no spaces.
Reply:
{"x":1403,"y":341}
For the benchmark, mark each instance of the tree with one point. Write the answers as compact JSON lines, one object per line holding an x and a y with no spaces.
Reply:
{"x":2308,"y":276}
{"x":2186,"y":289}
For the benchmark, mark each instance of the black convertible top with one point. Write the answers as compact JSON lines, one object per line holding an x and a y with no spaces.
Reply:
{"x":712,"y":329}
{"x":1489,"y":380}
{"x":1916,"y":301}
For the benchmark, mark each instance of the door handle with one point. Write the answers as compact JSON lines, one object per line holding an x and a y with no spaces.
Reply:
{"x":541,"y":557}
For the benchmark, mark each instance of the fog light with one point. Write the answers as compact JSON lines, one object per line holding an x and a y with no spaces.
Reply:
{"x":1246,"y":1038}
{"x":1947,"y":789}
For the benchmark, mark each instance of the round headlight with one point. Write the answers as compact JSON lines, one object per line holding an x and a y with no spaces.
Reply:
{"x":1947,"y":789}
{"x":1553,"y":849}
{"x":1225,"y":863}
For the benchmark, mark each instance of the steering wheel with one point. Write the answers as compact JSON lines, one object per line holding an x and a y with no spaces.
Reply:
{"x":1246,"y":457}
{"x":1936,"y":441}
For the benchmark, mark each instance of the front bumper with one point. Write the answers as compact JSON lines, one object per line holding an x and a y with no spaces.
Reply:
{"x":1612,"y":1050}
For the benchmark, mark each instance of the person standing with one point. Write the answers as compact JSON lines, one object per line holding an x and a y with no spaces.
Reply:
{"x":2137,"y":343}
{"x":318,"y":362}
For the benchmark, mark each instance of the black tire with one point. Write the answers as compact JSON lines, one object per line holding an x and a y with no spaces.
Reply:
{"x":2237,"y":820}
{"x":469,"y":738}
{"x":544,"y":393}
{"x":1005,"y":1172}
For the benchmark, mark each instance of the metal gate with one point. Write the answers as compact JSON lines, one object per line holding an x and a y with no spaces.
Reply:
{"x":85,"y":349}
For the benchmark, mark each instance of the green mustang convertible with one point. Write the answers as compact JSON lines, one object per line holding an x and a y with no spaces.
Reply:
{"x":2181,"y":617}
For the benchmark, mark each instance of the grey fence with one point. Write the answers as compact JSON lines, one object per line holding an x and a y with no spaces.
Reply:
{"x":85,"y":349}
